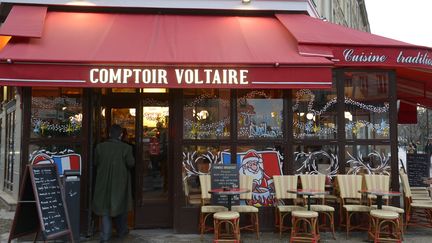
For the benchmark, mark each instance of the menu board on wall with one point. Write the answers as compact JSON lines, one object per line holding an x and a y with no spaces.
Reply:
{"x":41,"y":206}
{"x":418,"y":166}
{"x":224,"y":176}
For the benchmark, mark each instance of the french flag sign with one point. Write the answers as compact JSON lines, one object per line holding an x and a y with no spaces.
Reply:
{"x":67,"y":161}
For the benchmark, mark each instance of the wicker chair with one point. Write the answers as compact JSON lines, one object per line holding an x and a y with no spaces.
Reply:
{"x":282,"y":185}
{"x":317,"y":182}
{"x":349,"y":187}
{"x":417,"y":213}
{"x":247,"y":182}
{"x":382,"y":183}
{"x":207,"y":210}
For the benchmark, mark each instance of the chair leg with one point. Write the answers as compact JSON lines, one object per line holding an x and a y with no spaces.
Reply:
{"x":347,"y":224}
{"x":332,"y":224}
{"x":257,"y":225}
{"x":280,"y":225}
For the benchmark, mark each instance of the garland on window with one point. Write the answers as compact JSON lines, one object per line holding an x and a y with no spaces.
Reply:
{"x":199,"y":129}
{"x":69,"y":127}
{"x":347,"y":100}
{"x":309,"y":128}
{"x":382,"y":128}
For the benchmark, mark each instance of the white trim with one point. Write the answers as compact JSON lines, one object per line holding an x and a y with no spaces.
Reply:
{"x":277,"y":5}
{"x":315,"y":54}
{"x":42,"y":80}
{"x":284,"y":82}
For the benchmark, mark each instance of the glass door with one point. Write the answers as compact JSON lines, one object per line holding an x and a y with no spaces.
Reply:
{"x":153,"y":205}
{"x":145,"y":119}
{"x":126,"y":118}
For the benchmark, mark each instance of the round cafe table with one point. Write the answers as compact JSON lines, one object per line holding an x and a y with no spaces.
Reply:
{"x":379,"y":195}
{"x":308,"y":193}
{"x":229,"y":192}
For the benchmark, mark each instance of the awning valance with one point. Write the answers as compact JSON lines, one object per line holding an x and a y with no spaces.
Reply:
{"x":75,"y":43}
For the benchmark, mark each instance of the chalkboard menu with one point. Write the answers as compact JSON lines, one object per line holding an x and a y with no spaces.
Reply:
{"x":418,"y":166}
{"x":41,"y":207}
{"x":50,"y":199}
{"x":224,"y":176}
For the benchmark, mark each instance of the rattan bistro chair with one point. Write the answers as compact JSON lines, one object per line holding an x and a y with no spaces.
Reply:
{"x":317,"y":183}
{"x":207,"y":210}
{"x":282,"y":185}
{"x":349,"y":187}
{"x":382,"y":183}
{"x":247,"y":183}
{"x":418,"y":213}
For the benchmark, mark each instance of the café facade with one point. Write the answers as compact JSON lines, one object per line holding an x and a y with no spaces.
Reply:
{"x":194,"y":87}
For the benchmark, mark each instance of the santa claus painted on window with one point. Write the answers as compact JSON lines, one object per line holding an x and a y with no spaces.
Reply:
{"x":252,"y":165}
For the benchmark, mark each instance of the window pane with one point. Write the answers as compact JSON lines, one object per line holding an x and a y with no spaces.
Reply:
{"x":56,"y":112}
{"x":367,"y":159}
{"x":206,"y":114}
{"x":199,"y":160}
{"x":259,"y":114}
{"x":309,"y":159}
{"x":315,"y":113}
{"x":366,"y":105}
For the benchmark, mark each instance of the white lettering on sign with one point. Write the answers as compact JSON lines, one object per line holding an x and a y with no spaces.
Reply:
{"x":351,"y":56}
{"x":160,"y":76}
{"x":420,"y":58}
{"x":224,"y":76}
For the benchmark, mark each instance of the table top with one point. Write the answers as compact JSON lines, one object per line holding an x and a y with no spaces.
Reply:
{"x":381,"y":193}
{"x":427,"y":181}
{"x":230,"y":191}
{"x":308,"y":192}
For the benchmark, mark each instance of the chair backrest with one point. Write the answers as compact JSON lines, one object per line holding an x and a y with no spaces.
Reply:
{"x":205,"y":183}
{"x":349,"y":186}
{"x":246,"y":182}
{"x":405,"y":185}
{"x":313,"y":182}
{"x":377,"y":182}
{"x":283,"y":184}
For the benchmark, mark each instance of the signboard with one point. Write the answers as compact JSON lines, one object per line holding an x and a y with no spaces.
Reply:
{"x":41,"y":206}
{"x":224,"y":176}
{"x":418,"y":168}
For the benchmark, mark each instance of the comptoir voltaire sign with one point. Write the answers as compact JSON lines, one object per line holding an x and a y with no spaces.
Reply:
{"x":161,"y":76}
{"x":119,"y":76}
{"x":381,"y":56}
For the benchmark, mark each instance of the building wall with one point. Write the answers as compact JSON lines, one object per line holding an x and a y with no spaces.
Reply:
{"x":350,"y":13}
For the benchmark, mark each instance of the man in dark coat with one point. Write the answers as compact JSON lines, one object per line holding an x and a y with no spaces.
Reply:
{"x":113,"y":194}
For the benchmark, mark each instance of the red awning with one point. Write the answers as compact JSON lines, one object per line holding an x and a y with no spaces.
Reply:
{"x":75,"y":43}
{"x":349,"y":47}
{"x":24,"y":21}
{"x":352,"y":48}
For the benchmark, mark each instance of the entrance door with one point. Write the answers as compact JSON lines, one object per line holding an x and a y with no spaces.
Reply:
{"x":153,"y":208}
{"x":145,"y":123}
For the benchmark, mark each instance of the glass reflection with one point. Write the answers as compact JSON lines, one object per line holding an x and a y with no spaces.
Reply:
{"x":259,"y":114}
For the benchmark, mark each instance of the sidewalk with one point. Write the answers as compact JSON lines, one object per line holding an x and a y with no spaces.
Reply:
{"x":418,"y":235}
